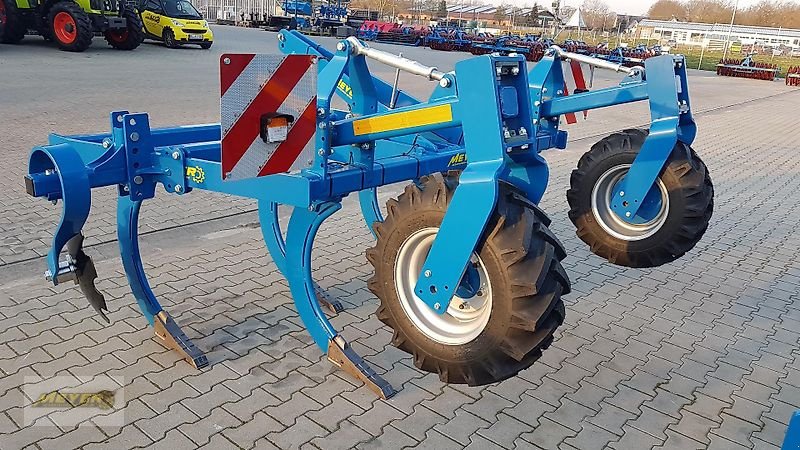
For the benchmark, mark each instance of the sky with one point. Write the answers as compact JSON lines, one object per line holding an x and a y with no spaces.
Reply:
{"x":633,"y":7}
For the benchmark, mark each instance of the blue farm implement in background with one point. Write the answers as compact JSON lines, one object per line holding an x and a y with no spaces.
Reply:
{"x":468,"y":275}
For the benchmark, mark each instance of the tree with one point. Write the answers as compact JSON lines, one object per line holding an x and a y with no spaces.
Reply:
{"x":667,"y":9}
{"x":709,"y":11}
{"x":596,"y":14}
{"x":442,"y":11}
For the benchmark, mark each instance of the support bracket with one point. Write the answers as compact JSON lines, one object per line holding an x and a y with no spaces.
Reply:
{"x":344,"y":357}
{"x":170,"y":335}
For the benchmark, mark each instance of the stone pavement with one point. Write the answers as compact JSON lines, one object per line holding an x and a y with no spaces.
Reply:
{"x":700,"y":353}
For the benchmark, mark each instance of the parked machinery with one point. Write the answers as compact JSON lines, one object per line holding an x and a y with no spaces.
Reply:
{"x":793,"y":76}
{"x":467,"y":272}
{"x":747,"y":68}
{"x":72,"y":24}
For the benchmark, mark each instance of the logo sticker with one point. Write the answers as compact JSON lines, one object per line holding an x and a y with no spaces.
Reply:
{"x":196,"y":174}
{"x":345,"y":88}
{"x":458,"y":158}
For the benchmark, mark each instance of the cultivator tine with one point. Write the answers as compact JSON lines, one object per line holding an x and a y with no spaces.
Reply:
{"x":343,"y":356}
{"x":333,"y":305}
{"x":171,"y":336}
{"x":79,"y":268}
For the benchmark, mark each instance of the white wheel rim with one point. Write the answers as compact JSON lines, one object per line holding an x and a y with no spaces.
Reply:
{"x":612,"y":223}
{"x":464,"y":320}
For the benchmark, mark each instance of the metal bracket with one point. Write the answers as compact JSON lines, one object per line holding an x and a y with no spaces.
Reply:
{"x":344,"y":357}
{"x":170,"y":335}
{"x":327,"y":301}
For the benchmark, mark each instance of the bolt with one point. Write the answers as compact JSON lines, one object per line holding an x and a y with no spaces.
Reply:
{"x":427,"y":274}
{"x":559,"y":92}
{"x":321,"y":152}
{"x":106,"y":143}
{"x":321,"y":112}
{"x":176,"y":155}
{"x":281,"y":38}
{"x":311,"y":208}
{"x":444,"y":82}
{"x":134,"y":136}
{"x":55,"y":202}
{"x":479,"y":293}
{"x":313,"y":60}
{"x":341,"y":46}
{"x":226,"y":61}
{"x":138,"y":179}
{"x":628,"y":214}
{"x":49,"y":172}
{"x":544,"y":90}
{"x":178,"y":188}
{"x":365,"y":146}
{"x":499,"y":71}
{"x":323,"y":125}
{"x":119,"y":118}
{"x":535,"y":121}
{"x":515,"y":70}
{"x":622,"y":193}
{"x":132,"y":121}
{"x":437,"y":306}
{"x":461,"y":306}
{"x":537,"y":103}
{"x":126,"y":188}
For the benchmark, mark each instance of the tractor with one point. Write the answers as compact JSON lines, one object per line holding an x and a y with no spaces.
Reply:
{"x":72,"y":24}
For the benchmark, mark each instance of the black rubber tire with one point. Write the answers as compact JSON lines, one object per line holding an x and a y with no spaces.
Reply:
{"x":15,"y":28}
{"x":691,"y":202}
{"x":168,"y":36}
{"x":83,"y":24}
{"x":132,"y":37}
{"x":206,"y":45}
{"x":522,"y":259}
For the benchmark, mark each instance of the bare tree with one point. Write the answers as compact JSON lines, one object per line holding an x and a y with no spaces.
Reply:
{"x":597,"y":14}
{"x":667,"y":9}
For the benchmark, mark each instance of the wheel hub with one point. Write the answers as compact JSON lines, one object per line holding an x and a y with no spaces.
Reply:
{"x":649,"y":218}
{"x":468,"y":312}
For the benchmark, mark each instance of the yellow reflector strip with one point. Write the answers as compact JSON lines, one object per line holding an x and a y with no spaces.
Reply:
{"x":405,"y":119}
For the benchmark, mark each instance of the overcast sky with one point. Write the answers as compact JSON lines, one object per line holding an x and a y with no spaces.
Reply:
{"x":636,"y":7}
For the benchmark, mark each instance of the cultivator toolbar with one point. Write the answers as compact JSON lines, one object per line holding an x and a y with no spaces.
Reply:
{"x":468,"y":275}
{"x":747,"y":68}
{"x":793,"y":76}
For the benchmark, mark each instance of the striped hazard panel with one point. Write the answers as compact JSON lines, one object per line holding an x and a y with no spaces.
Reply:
{"x":267,"y":109}
{"x":574,"y":82}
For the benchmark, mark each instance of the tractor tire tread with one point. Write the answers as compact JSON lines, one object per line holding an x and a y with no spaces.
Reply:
{"x":691,"y":183}
{"x":83,"y":23}
{"x":518,"y":242}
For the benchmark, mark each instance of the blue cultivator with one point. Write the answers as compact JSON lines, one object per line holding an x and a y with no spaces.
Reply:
{"x":478,"y":301}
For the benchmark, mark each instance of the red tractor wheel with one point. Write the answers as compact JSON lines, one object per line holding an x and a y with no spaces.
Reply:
{"x":131,"y":36}
{"x":71,"y":27}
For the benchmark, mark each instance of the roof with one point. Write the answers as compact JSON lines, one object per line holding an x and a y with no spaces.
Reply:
{"x":489,"y":9}
{"x":719,"y":28}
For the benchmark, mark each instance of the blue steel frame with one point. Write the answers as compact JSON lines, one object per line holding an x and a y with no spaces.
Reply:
{"x":484,"y":138}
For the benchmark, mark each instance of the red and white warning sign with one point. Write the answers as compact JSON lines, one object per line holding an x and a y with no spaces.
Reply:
{"x":268,"y":114}
{"x":574,"y":82}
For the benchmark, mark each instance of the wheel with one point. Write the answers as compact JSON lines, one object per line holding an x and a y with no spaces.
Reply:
{"x":205,"y":45}
{"x":12,"y":27}
{"x":129,"y":38}
{"x":71,"y":26}
{"x":673,"y":216}
{"x":169,"y":39}
{"x":508,"y":303}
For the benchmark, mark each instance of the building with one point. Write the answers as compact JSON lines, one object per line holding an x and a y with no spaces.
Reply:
{"x":705,"y":34}
{"x":488,"y":16}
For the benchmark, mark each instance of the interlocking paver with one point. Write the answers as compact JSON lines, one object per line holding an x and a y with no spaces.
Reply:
{"x":694,"y":354}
